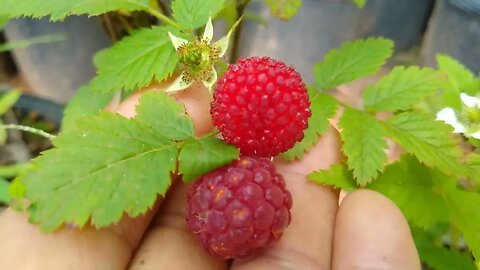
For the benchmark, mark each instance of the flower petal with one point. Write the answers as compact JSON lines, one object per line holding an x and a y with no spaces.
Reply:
{"x":470,"y":101}
{"x":208,"y":32}
{"x":448,"y":116}
{"x":179,"y":84}
{"x":475,"y":135}
{"x":223,"y":42}
{"x":211,"y":81}
{"x":176,"y":41}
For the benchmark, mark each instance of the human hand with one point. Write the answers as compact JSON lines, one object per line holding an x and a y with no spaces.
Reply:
{"x":367,"y":231}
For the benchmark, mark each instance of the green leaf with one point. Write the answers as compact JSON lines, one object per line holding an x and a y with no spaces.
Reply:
{"x":473,"y":162}
{"x":401,"y":89}
{"x":363,"y":144}
{"x":464,"y":208}
{"x":438,"y":257}
{"x":229,"y":12}
{"x":201,"y":156}
{"x":457,"y":73}
{"x":284,"y":9}
{"x":193,"y":14}
{"x":4,"y":196}
{"x":8,"y":99}
{"x":10,"y":171}
{"x":85,"y":102}
{"x":110,"y":165}
{"x":323,"y":107}
{"x":3,"y":21}
{"x":429,"y":140}
{"x":59,"y":9}
{"x":413,"y":188}
{"x":353,"y":60}
{"x":135,"y":61}
{"x":171,"y":121}
{"x":337,"y":176}
{"x":360,"y":3}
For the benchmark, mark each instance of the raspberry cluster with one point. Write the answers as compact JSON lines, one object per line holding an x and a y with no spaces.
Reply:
{"x":237,"y":209}
{"x":260,"y":106}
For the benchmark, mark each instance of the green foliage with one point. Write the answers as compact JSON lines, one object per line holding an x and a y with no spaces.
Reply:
{"x":3,"y":21}
{"x":430,"y":141}
{"x":352,"y":61}
{"x":4,"y":196}
{"x":337,"y":175}
{"x":414,"y":189}
{"x":438,"y":257}
{"x":464,"y":208}
{"x":459,"y":79}
{"x":401,"y":89}
{"x":199,"y":157}
{"x":363,"y":144}
{"x":360,"y":3}
{"x":85,"y":102}
{"x":170,"y":121}
{"x":192,"y":14}
{"x":8,"y":99}
{"x":13,"y":170}
{"x":110,"y":165}
{"x":59,"y":9}
{"x":134,"y":62}
{"x":323,"y":107}
{"x":458,"y":75}
{"x":284,"y":9}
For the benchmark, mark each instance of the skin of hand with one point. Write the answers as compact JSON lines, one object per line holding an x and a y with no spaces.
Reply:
{"x":367,"y":231}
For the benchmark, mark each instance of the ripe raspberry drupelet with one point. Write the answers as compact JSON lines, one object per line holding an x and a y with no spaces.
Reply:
{"x":261,"y":106}
{"x":239,"y":208}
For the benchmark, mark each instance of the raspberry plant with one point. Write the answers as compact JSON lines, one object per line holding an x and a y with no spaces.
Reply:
{"x":104,"y":165}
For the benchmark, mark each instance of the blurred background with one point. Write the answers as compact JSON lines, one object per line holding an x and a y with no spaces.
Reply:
{"x":58,"y":58}
{"x":420,"y":28}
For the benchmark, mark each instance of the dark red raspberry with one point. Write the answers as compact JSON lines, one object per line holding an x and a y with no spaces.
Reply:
{"x":261,"y":106}
{"x":239,"y":208}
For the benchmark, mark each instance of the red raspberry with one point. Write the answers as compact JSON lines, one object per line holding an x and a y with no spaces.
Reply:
{"x":261,"y":106}
{"x":239,"y":208}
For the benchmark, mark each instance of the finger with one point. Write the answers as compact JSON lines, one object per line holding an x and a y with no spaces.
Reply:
{"x":168,"y":244}
{"x":109,"y":248}
{"x":372,"y":233}
{"x":23,"y":246}
{"x":306,"y":243}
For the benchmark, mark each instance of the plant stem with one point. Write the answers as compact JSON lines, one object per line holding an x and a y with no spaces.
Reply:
{"x":29,"y":129}
{"x":236,"y":36}
{"x":163,"y":18}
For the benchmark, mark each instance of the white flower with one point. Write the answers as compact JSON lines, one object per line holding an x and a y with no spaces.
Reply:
{"x":197,"y":58}
{"x":466,"y":121}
